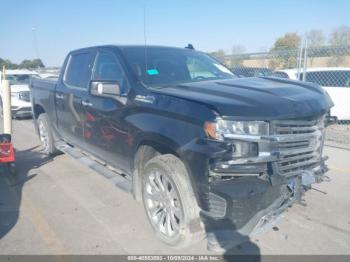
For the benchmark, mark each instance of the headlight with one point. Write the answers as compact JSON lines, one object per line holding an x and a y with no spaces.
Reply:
{"x":224,"y":128}
{"x":236,"y":130}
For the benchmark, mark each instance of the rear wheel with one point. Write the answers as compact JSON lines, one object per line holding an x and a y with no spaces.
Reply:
{"x":169,"y":201}
{"x":46,"y":135}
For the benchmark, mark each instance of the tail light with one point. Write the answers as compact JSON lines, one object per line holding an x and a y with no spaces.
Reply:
{"x":7,"y":153}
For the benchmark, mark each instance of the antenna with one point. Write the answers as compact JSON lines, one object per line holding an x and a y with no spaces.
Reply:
{"x":144,"y":33}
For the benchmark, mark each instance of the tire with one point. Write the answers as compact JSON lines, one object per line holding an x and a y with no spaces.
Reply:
{"x":169,"y":202}
{"x":46,"y":135}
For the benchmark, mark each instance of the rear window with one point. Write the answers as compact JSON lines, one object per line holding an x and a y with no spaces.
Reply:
{"x":78,"y":72}
{"x":339,"y":78}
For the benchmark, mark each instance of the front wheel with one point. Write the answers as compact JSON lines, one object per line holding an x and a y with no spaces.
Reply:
{"x":169,"y":201}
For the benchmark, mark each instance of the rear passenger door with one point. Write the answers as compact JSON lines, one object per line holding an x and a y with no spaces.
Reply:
{"x":69,"y":96}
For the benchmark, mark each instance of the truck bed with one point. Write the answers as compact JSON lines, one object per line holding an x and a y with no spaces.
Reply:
{"x":43,"y":96}
{"x":38,"y":83}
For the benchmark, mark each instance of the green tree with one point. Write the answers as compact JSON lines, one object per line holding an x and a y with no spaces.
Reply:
{"x":288,"y":41}
{"x":25,"y":64}
{"x":8,"y":64}
{"x":31,"y":64}
{"x":284,"y":52}
{"x":36,"y":63}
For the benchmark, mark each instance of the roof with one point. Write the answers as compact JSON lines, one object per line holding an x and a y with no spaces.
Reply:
{"x":127,"y":46}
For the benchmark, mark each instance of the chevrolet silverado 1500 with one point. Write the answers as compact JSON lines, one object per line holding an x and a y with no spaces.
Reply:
{"x":199,"y":147}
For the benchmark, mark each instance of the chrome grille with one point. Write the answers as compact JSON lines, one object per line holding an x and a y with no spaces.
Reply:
{"x":299,"y":143}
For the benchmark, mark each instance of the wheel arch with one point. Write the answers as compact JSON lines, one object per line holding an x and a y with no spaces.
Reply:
{"x":146,"y":150}
{"x":38,"y":110}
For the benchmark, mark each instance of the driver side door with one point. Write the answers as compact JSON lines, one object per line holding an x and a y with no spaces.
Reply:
{"x":105,"y":129}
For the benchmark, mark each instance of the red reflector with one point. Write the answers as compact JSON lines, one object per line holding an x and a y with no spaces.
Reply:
{"x":7,"y":154}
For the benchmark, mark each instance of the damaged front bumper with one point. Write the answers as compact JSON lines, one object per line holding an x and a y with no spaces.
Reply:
{"x":249,"y":206}
{"x":247,"y":196}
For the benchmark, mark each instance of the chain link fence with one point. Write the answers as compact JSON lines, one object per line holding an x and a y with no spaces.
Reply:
{"x":328,"y":66}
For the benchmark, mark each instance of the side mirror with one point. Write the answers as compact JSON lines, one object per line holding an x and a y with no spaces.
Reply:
{"x":105,"y":88}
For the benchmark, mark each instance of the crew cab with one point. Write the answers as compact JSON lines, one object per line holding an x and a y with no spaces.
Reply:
{"x":203,"y":150}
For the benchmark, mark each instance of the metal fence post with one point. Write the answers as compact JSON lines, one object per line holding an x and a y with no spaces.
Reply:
{"x":305,"y":61}
{"x":299,"y":58}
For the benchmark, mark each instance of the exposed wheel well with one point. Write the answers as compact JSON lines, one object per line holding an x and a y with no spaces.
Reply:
{"x":146,"y":151}
{"x":38,"y":109}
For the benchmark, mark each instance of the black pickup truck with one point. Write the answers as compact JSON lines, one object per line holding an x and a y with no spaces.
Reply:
{"x":201,"y":148}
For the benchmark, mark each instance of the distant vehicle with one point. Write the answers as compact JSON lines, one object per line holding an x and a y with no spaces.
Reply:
{"x":20,"y":93}
{"x":49,"y":73}
{"x":335,"y":80}
{"x":191,"y":140}
{"x":251,"y":71}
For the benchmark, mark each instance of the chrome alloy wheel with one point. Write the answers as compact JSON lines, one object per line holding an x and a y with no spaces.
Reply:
{"x":44,"y":136}
{"x":162,"y":204}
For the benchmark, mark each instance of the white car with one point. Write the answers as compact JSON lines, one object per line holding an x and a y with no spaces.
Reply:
{"x":20,"y":92}
{"x":335,"y":80}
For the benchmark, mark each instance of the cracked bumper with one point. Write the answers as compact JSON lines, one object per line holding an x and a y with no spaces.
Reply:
{"x":249,"y":206}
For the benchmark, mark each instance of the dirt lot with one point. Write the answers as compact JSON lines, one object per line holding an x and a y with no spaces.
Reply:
{"x":58,"y":206}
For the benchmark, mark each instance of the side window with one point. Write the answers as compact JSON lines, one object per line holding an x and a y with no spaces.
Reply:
{"x":78,"y":71}
{"x":107,"y":67}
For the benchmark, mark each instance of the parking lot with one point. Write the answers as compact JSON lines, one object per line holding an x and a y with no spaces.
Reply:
{"x":58,"y":206}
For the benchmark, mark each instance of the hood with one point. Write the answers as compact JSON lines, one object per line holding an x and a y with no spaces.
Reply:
{"x":255,"y":98}
{"x":19,"y":88}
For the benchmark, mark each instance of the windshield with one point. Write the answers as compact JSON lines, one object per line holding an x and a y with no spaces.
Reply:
{"x":173,"y":66}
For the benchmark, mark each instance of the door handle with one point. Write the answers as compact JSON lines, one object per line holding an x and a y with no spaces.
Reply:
{"x":59,"y":96}
{"x":86,"y":103}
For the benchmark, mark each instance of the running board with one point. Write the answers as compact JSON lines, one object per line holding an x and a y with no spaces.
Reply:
{"x":117,"y":178}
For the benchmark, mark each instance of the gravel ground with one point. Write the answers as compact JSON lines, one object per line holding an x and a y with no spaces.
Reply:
{"x":338,"y":135}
